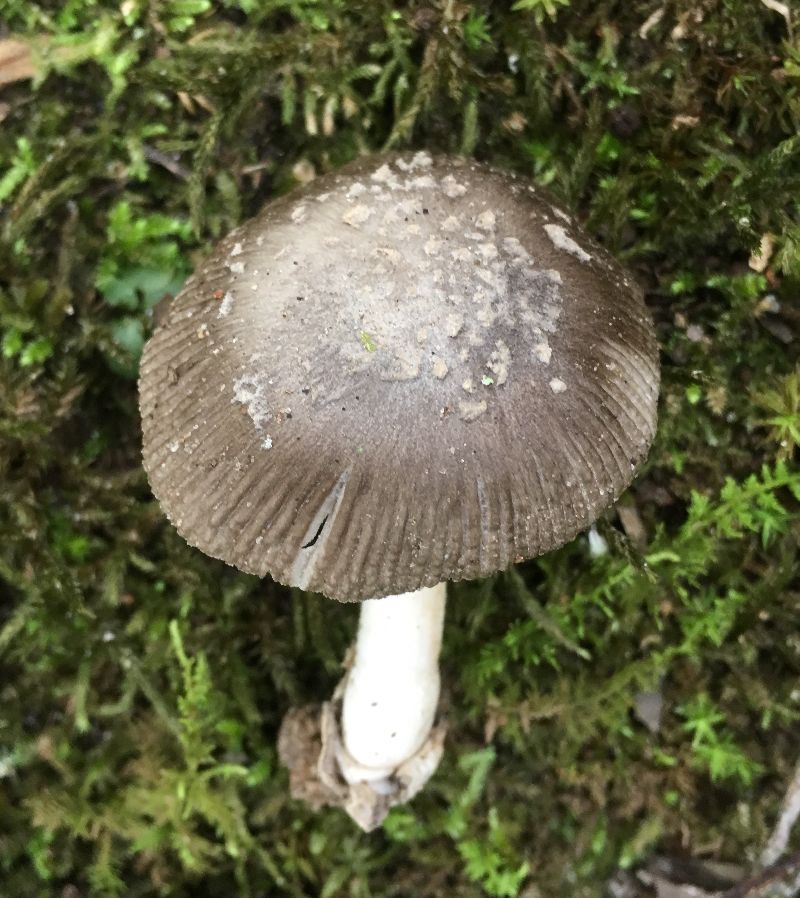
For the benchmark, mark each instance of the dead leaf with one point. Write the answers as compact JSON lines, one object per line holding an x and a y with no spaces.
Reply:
{"x":650,"y":22}
{"x":760,"y":259}
{"x":16,"y":61}
{"x":780,"y":8}
{"x":684,"y":121}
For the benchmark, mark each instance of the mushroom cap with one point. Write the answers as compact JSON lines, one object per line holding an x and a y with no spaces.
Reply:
{"x":414,"y":369}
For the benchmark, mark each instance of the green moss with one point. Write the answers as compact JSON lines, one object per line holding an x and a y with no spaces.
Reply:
{"x":142,"y":684}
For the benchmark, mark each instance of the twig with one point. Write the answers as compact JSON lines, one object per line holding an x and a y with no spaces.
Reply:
{"x":779,"y":879}
{"x":782,"y":9}
{"x":165,"y":161}
{"x":650,"y":22}
{"x":540,"y":616}
{"x":790,"y":811}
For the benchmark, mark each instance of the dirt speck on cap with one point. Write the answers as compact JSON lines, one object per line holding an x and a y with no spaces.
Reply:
{"x":561,"y":240}
{"x":471,"y":411}
{"x":356,"y":216}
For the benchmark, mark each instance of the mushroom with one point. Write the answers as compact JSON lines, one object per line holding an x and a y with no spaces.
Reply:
{"x":413,"y":370}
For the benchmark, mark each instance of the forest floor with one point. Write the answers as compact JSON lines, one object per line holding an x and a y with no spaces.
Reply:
{"x":142,"y":684}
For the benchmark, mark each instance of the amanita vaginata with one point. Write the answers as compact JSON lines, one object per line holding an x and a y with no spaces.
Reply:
{"x":413,"y":370}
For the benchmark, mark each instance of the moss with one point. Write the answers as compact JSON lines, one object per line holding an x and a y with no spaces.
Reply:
{"x":143,"y":684}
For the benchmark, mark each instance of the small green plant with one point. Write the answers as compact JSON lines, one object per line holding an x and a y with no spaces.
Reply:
{"x":476,"y":765}
{"x":483,"y":843}
{"x":781,"y":406}
{"x":182,"y":14}
{"x":476,"y":30}
{"x":753,"y":505}
{"x":28,"y":352}
{"x":788,"y":254}
{"x":489,"y":857}
{"x":713,"y":747}
{"x":143,"y":257}
{"x":143,"y":261}
{"x":23,"y":164}
{"x":491,"y":861}
{"x":541,"y":9}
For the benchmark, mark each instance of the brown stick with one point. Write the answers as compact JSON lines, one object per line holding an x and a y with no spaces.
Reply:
{"x":784,"y":873}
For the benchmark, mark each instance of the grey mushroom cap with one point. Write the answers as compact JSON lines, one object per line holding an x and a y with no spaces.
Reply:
{"x":415,"y":369}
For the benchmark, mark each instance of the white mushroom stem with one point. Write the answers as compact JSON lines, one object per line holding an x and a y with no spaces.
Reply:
{"x":392,"y":689}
